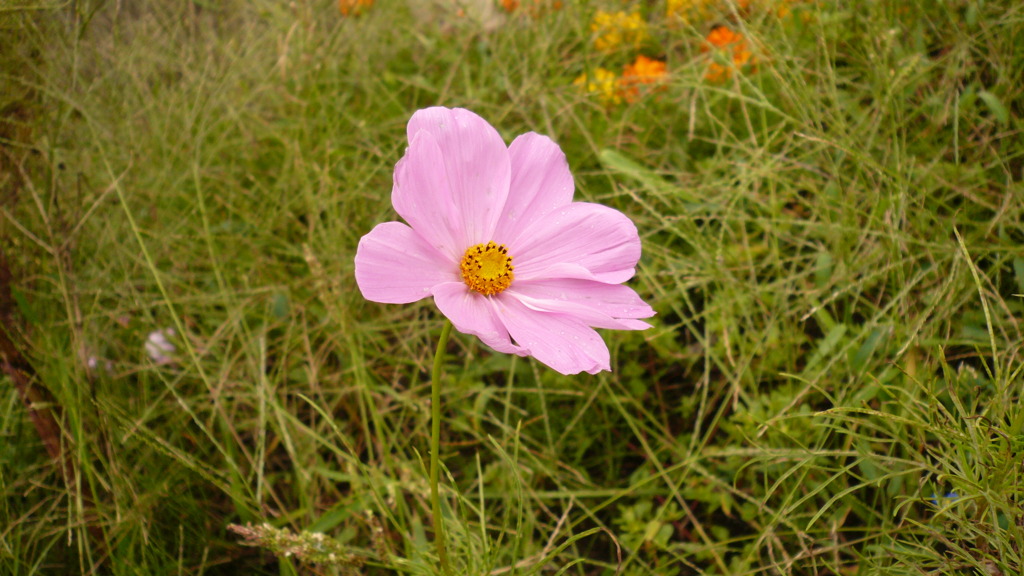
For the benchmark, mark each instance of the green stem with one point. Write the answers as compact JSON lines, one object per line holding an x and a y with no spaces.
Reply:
{"x":435,"y":444}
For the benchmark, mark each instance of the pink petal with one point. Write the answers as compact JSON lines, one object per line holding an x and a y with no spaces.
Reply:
{"x":600,"y":239}
{"x":395,"y":265}
{"x":596,"y":304}
{"x":473,"y":313}
{"x":476,"y":162}
{"x":541,"y":182}
{"x":421,"y":195}
{"x":557,"y":340}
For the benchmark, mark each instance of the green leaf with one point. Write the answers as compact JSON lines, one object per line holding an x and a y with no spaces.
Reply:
{"x":995,"y":106}
{"x":860,"y":359}
{"x":279,"y":306}
{"x":1018,"y":271}
{"x":27,"y":311}
{"x":822,"y":269}
{"x":331,"y":518}
{"x":619,"y":164}
{"x":971,"y":15}
{"x":826,"y":345}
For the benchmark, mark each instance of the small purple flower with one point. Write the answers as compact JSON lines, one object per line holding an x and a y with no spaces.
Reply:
{"x":158,"y":346}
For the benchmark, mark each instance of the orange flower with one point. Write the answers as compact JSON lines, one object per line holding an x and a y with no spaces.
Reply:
{"x":353,"y":7}
{"x":693,"y":12}
{"x":536,"y":8}
{"x":643,"y":73}
{"x":722,"y":36}
{"x":732,"y":44}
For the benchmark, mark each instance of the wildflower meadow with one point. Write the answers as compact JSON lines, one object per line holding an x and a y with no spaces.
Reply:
{"x":512,"y":287}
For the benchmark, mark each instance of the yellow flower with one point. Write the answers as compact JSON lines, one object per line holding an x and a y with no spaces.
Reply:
{"x":643,"y":73}
{"x":353,"y":7}
{"x":613,"y":29}
{"x":602,"y":83}
{"x":734,"y":45}
{"x":698,"y":11}
{"x":687,"y":11}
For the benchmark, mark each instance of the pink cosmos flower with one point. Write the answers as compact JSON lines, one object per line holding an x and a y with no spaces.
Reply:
{"x":494,"y":236}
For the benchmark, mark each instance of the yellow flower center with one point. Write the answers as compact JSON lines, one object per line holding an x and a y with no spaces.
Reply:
{"x":487,"y":268}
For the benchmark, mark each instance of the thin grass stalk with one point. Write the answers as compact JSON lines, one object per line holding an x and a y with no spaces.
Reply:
{"x":435,"y":443}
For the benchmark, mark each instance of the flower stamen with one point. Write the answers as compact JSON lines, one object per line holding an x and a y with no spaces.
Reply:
{"x":487,"y":268}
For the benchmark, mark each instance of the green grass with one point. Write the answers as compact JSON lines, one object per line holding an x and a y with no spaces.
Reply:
{"x":834,"y":243}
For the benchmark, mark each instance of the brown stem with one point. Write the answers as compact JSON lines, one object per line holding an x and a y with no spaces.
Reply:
{"x":42,"y":408}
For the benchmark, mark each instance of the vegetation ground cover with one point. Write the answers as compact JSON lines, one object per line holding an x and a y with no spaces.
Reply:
{"x":831,"y":205}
